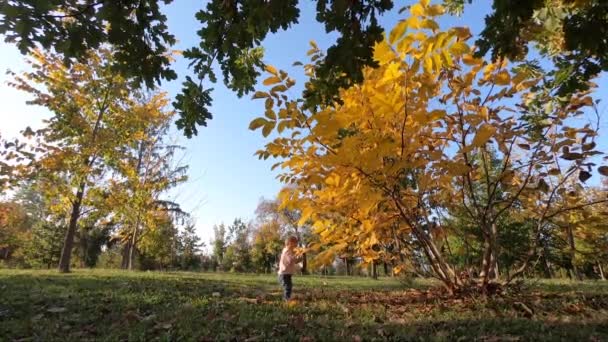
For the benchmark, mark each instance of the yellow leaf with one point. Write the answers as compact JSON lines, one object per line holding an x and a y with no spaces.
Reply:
{"x":459,"y":48}
{"x":373,"y":240}
{"x":437,"y":62}
{"x":502,"y":78}
{"x":268,"y":127}
{"x":259,"y":95}
{"x":458,"y":169}
{"x":437,"y":114}
{"x":468,"y":59}
{"x":257,"y":123}
{"x":417,"y":10}
{"x":272,"y":80}
{"x":306,"y":214}
{"x":270,"y":114}
{"x":413,"y":23}
{"x":282,"y":125}
{"x":425,"y":3}
{"x":271,"y":69}
{"x":430,"y":24}
{"x":484,"y":133}
{"x":397,"y":32}
{"x":278,"y":88}
{"x":428,"y":65}
{"x":461,"y":32}
{"x":383,"y":53}
{"x":435,"y":10}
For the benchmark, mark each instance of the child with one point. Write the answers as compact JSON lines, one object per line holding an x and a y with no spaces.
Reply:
{"x":288,"y":265}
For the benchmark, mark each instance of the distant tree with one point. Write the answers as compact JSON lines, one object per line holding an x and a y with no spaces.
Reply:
{"x":158,"y":245}
{"x":15,"y":230}
{"x":267,"y":244}
{"x":219,"y":244}
{"x":238,"y":253}
{"x":190,"y":248}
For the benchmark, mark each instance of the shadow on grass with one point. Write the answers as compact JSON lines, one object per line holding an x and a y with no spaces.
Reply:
{"x":110,"y":305}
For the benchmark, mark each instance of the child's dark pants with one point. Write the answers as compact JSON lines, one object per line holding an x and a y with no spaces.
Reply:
{"x":285,"y":281}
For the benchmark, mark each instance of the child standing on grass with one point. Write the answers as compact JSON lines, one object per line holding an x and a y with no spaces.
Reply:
{"x":288,"y":265}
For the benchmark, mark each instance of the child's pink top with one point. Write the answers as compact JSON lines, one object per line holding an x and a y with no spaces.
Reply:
{"x":288,"y":262}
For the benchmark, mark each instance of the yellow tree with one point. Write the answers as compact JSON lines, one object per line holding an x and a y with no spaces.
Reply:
{"x":142,"y":175}
{"x":96,"y":115}
{"x":413,"y":140}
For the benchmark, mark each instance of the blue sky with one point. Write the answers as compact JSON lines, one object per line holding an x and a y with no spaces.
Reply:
{"x":226,"y":179}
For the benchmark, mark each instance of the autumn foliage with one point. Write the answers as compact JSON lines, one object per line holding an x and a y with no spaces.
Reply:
{"x":431,"y":132}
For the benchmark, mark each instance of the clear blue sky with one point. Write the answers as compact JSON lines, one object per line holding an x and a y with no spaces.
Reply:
{"x":226,"y":179}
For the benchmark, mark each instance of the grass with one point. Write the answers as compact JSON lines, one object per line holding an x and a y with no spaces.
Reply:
{"x":116,"y":305}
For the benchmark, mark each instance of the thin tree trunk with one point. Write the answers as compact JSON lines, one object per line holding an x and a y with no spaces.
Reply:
{"x":374,"y":270}
{"x":304,"y":264}
{"x":385,"y":269}
{"x":68,"y":244}
{"x":601,"y":269}
{"x":575,"y":272}
{"x":133,"y":244}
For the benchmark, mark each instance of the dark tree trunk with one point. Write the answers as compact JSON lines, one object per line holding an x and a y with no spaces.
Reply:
{"x":304,"y":264}
{"x":126,"y":251}
{"x":374,"y":270}
{"x":68,"y":244}
{"x":386,"y":269}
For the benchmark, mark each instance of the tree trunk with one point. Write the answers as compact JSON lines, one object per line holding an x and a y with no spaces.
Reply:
{"x":132,"y":246}
{"x":304,"y":264}
{"x":441,"y":268}
{"x":386,"y":269}
{"x":124,"y":264}
{"x":374,"y":270}
{"x":601,"y":269}
{"x":489,"y":266}
{"x":575,"y":272}
{"x":68,"y":244}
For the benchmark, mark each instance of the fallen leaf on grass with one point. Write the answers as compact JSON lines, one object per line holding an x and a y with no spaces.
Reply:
{"x":163,"y":326}
{"x":56,"y":309}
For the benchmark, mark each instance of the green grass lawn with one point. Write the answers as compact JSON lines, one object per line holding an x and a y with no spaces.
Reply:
{"x":116,"y":305}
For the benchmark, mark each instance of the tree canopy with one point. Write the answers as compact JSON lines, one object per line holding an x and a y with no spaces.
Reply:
{"x":232,"y":34}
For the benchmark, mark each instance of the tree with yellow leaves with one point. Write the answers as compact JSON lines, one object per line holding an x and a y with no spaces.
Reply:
{"x":413,"y":141}
{"x":96,"y":116}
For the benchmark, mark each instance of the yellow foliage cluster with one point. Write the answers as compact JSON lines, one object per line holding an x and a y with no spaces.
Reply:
{"x":414,"y":139}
